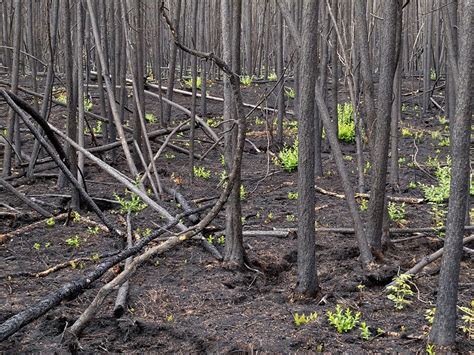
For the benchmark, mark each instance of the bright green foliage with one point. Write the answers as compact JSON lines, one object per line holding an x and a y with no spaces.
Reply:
{"x":365,"y":331}
{"x":221,"y":240}
{"x":37,"y":246}
{"x":438,"y":214}
{"x":400,"y":290}
{"x":150,"y":118}
{"x":290,"y":217}
{"x":243,"y":193}
{"x":134,"y":205}
{"x":364,"y":204}
{"x":406,"y":132}
{"x":246,"y":80}
{"x":50,"y":222}
{"x":444,"y":142}
{"x":429,"y":315}
{"x":345,"y":120}
{"x":272,"y":76}
{"x":302,"y":319}
{"x":290,"y":92}
{"x":210,"y":239}
{"x":93,"y":230}
{"x":87,"y":104}
{"x":74,"y":241}
{"x":343,"y":320}
{"x":430,"y":349}
{"x":288,"y":157}
{"x":432,"y":74}
{"x":213,"y":122}
{"x":468,"y":320}
{"x":201,"y":172}
{"x":188,"y":83}
{"x":396,"y":212}
{"x":292,"y":195}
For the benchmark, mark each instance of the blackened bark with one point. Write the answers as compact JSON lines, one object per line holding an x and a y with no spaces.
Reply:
{"x":443,"y":332}
{"x":307,"y":283}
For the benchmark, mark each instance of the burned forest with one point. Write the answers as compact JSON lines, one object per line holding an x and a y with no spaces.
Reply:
{"x":236,"y":176}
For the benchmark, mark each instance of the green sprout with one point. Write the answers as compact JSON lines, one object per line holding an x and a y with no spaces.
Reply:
{"x":150,"y":118}
{"x":74,"y":241}
{"x":292,"y":195}
{"x":134,"y":205}
{"x":288,"y":157}
{"x":246,"y":80}
{"x":365,"y":331}
{"x":50,"y":222}
{"x":400,"y":291}
{"x":303,"y":319}
{"x":345,"y":120}
{"x":201,"y":172}
{"x":343,"y":320}
{"x":37,"y":246}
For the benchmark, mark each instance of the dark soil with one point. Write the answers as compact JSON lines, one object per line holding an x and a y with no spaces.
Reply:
{"x":185,"y":301}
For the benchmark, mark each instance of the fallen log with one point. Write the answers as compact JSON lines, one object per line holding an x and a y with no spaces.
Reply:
{"x":411,"y":200}
{"x":72,"y":289}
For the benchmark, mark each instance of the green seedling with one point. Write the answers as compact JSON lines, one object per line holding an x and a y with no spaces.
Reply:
{"x":133,"y":205}
{"x":290,"y":92}
{"x":364,"y":204}
{"x":429,"y":315}
{"x":74,"y":242}
{"x":292,"y":195}
{"x":290,"y":217}
{"x":400,"y":291}
{"x":221,"y":240}
{"x":50,"y":222}
{"x":246,"y":80}
{"x":365,"y":331}
{"x":303,"y":319}
{"x":93,"y":230}
{"x":396,"y":212}
{"x":468,"y":320}
{"x":288,"y":157}
{"x":243,"y":193}
{"x":150,"y":118}
{"x":169,"y":156}
{"x":345,"y":120}
{"x":37,"y":246}
{"x":201,"y":172}
{"x":343,"y":320}
{"x":272,"y":76}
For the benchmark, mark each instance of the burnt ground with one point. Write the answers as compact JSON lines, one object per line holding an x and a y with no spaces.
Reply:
{"x":185,"y":301}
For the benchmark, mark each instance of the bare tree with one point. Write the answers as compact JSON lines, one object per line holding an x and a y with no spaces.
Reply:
{"x":443,"y":332}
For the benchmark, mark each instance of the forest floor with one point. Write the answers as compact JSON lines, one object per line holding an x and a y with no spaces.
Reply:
{"x":185,"y":301}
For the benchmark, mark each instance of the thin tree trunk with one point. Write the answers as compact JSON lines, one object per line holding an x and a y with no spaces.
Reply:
{"x":443,"y":332}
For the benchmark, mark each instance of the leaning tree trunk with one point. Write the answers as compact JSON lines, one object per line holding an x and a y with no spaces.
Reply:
{"x":307,"y":283}
{"x":443,"y":332}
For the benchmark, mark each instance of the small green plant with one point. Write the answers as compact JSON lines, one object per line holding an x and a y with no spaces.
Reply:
{"x":400,"y":291}
{"x":348,"y":157}
{"x":401,"y":161}
{"x":290,"y":92}
{"x":367,"y":167}
{"x":444,"y":142}
{"x":243,"y":193}
{"x":292,"y":195}
{"x":435,"y":135}
{"x":169,"y":156}
{"x":76,"y":217}
{"x":62,"y":97}
{"x":438,"y":215}
{"x":396,"y":212}
{"x":468,"y":320}
{"x":404,"y":108}
{"x":433,"y":74}
{"x":345,"y":122}
{"x":272,"y":76}
{"x":429,"y":315}
{"x":50,"y":222}
{"x":201,"y":172}
{"x":74,"y":242}
{"x":406,"y":132}
{"x":93,"y":230}
{"x":246,"y":80}
{"x":440,"y":192}
{"x":442,"y":120}
{"x":221,"y":240}
{"x":269,"y":218}
{"x":412,"y":185}
{"x":188,"y":83}
{"x":259,"y":121}
{"x":213,"y":122}
{"x":134,"y":205}
{"x":290,"y":217}
{"x":430,"y":349}
{"x":288,"y":157}
{"x":87,"y":104}
{"x":365,"y":331}
{"x":303,"y":319}
{"x":37,"y":246}
{"x":364,"y":204}
{"x":343,"y":320}
{"x":169,"y":318}
{"x":210,"y":239}
{"x":150,"y":118}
